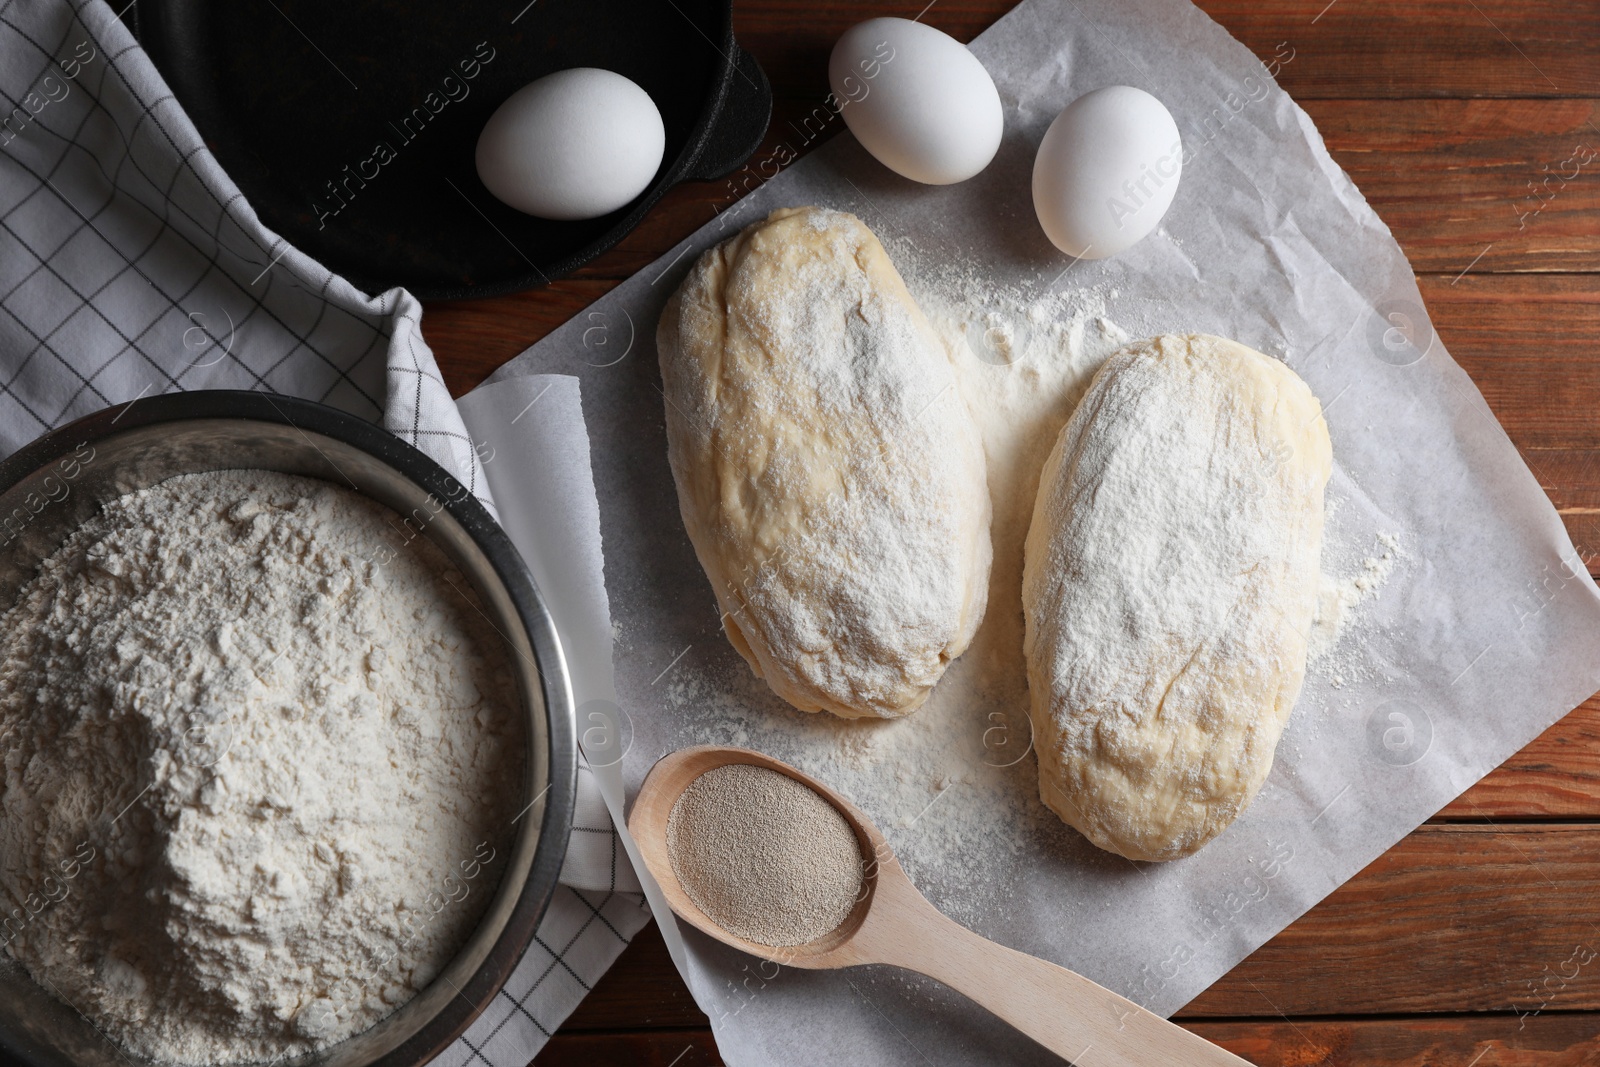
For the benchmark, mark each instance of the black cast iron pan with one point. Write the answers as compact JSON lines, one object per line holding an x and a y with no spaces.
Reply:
{"x":350,"y":124}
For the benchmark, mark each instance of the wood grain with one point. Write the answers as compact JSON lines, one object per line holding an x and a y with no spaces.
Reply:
{"x":470,"y":338}
{"x":1453,"y":918}
{"x":1552,"y":1040}
{"x":1443,"y":48}
{"x":1348,"y":48}
{"x":1557,"y":776}
{"x":641,"y":990}
{"x":1527,"y":341}
{"x":1522,"y":178}
{"x":646,"y":1048}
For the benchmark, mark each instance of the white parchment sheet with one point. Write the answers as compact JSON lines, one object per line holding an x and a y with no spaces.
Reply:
{"x":1487,"y":631}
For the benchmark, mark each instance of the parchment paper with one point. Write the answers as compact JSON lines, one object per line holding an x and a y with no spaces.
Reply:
{"x":534,"y":426}
{"x":1486,"y":633}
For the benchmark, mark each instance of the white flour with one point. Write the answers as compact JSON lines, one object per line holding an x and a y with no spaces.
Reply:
{"x":256,"y":767}
{"x":1353,"y":574}
{"x":1339,"y":599}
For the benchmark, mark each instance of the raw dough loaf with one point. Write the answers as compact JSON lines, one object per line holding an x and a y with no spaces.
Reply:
{"x":829,"y":474}
{"x":1171,"y":572}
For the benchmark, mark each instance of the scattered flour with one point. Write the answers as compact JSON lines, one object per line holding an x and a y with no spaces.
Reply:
{"x":954,"y":786}
{"x":252,"y":780}
{"x":955,"y":778}
{"x":1339,"y":601}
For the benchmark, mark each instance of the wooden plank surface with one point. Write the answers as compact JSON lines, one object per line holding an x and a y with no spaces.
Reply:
{"x":1348,"y":48}
{"x":1556,"y":776}
{"x":1523,"y":175}
{"x":1440,"y":48}
{"x":1464,"y":917}
{"x":1468,"y":125}
{"x":1553,"y":1040}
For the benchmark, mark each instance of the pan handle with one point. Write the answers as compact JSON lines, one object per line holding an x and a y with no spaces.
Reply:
{"x":741,"y":121}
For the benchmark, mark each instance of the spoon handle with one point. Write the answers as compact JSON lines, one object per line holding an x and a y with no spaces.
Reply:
{"x":1065,"y":1012}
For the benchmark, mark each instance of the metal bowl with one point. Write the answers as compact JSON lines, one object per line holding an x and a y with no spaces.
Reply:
{"x":53,"y":485}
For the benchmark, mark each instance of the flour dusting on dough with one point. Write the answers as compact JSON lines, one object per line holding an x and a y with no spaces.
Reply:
{"x":955,"y":786}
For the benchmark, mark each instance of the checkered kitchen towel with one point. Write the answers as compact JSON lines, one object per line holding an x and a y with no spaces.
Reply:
{"x":131,"y":265}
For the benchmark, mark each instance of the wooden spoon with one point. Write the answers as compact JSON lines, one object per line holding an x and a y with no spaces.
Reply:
{"x":893,"y":923}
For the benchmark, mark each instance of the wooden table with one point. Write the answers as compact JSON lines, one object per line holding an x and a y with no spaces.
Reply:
{"x":1474,"y":941}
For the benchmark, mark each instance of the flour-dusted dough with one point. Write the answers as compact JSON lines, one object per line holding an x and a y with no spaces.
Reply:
{"x":1172,"y":566}
{"x":828,"y":472}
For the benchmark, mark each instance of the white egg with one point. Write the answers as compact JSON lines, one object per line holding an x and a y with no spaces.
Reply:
{"x":575,"y":144}
{"x":917,"y":99}
{"x":1106,"y":171}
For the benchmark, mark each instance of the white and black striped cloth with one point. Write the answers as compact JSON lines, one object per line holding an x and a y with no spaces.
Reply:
{"x":131,"y":265}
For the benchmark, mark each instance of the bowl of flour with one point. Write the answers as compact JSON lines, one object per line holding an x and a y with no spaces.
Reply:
{"x":287,"y":761}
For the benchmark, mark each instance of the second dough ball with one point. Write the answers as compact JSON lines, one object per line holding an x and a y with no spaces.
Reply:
{"x":829,"y":474}
{"x":1171,"y":576}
